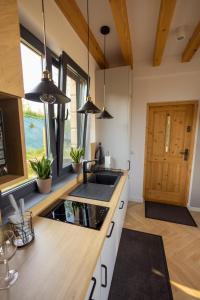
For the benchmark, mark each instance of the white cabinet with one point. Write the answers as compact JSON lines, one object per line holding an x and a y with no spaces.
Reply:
{"x":108,"y":257}
{"x":94,"y":289}
{"x":100,"y":284}
{"x":122,"y":207}
{"x":11,"y":82}
{"x":118,"y":103}
{"x":111,"y":244}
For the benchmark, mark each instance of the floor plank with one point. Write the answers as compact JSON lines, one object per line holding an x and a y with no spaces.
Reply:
{"x":182,"y":249}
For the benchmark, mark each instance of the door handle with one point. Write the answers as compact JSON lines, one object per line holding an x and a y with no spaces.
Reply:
{"x":185,"y":154}
{"x":110,"y":233}
{"x":93,"y":288}
{"x":121,"y":207}
{"x":106,"y":276}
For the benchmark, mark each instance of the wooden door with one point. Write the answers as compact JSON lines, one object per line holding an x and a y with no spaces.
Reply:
{"x":169,"y":150}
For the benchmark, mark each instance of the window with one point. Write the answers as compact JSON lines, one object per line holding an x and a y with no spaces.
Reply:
{"x":74,"y":85}
{"x":34,"y":113}
{"x":76,"y":88}
{"x":51,"y":130}
{"x":39,"y":130}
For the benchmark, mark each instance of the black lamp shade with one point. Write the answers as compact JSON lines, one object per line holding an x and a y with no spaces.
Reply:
{"x":105,"y":115}
{"x":47,"y":87}
{"x":88,"y":108}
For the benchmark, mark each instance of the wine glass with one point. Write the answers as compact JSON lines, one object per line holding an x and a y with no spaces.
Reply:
{"x":7,"y":251}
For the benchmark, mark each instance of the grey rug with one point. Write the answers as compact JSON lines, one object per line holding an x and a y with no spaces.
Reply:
{"x":169,"y":213}
{"x":141,"y":270}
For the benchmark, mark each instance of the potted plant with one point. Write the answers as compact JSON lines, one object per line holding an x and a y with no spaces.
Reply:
{"x":42,"y":168}
{"x":76,"y":154}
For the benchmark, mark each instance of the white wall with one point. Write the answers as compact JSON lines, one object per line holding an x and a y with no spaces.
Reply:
{"x":114,"y":133}
{"x":195,"y":186}
{"x":160,"y":88}
{"x":60,"y":36}
{"x":155,"y":87}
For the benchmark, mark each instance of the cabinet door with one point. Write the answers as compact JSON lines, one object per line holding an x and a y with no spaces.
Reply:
{"x":123,"y":203}
{"x":108,"y":258}
{"x":10,"y":58}
{"x":94,"y":289}
{"x":121,"y":210}
{"x":100,"y":284}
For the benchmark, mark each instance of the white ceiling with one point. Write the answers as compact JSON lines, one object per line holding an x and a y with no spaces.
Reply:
{"x":143,"y":18}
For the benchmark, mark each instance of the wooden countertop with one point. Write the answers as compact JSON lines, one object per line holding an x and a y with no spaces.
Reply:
{"x":60,"y":262}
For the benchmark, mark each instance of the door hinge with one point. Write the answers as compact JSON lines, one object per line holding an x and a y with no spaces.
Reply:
{"x":189,"y":128}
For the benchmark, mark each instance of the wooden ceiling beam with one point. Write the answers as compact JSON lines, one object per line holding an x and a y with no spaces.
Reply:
{"x":72,"y":13}
{"x":167,"y":8}
{"x":192,"y":45}
{"x":119,"y":11}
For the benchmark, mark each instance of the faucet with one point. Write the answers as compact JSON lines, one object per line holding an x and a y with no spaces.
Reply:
{"x":86,"y":170}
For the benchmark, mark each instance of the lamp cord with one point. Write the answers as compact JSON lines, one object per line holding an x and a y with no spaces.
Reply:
{"x":44,"y":35}
{"x":88,"y":21}
{"x":104,"y":72}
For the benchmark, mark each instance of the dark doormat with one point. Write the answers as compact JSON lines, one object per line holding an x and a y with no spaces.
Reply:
{"x":169,"y":213}
{"x":141,"y":269}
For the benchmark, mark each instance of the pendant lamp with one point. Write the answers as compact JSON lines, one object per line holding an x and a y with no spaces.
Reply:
{"x":88,"y":107}
{"x":104,"y":114}
{"x":46,"y":91}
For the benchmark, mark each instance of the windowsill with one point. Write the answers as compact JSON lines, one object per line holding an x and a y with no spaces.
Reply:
{"x":35,"y":197}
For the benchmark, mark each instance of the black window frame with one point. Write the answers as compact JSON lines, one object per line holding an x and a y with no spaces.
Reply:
{"x":61,"y":62}
{"x":52,"y":59}
{"x":66,"y":63}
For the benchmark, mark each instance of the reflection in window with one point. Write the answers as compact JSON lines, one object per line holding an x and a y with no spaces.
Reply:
{"x":55,"y":75}
{"x":73,"y":129}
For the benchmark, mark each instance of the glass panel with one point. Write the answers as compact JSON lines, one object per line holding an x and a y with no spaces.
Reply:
{"x":81,"y":117}
{"x":70,"y":129}
{"x":32,"y":67}
{"x":167,"y":134}
{"x":55,"y":75}
{"x":35,"y":136}
{"x":34,"y":113}
{"x":76,"y":89}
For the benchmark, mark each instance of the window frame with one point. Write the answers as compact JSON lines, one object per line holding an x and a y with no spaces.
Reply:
{"x":67,"y":62}
{"x":52,"y":59}
{"x":61,"y":63}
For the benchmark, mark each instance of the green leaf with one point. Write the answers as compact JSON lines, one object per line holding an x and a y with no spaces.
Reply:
{"x":76,"y":154}
{"x":42,"y":167}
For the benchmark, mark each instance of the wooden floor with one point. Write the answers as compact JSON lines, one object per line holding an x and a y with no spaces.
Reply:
{"x":182,"y":249}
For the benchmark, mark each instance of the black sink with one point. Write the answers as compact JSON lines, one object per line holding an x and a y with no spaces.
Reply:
{"x":103,"y":179}
{"x":100,"y":186}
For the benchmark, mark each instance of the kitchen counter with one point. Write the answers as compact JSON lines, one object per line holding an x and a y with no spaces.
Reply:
{"x":60,"y":262}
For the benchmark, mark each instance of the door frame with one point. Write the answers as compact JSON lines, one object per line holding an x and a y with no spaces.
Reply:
{"x":195,"y":103}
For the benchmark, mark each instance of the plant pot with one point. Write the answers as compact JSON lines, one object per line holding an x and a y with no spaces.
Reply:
{"x":77,"y":167}
{"x":44,"y":185}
